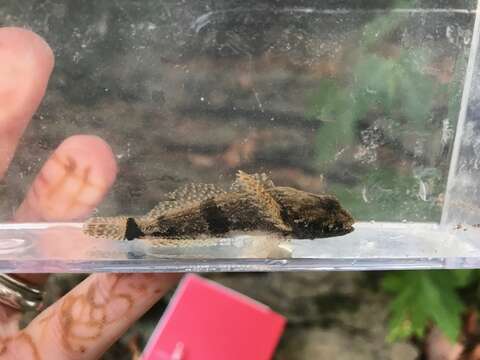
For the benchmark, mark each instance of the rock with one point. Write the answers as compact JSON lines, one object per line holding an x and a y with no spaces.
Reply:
{"x":403,"y":351}
{"x":317,"y":343}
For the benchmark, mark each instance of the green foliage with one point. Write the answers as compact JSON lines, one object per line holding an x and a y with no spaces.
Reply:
{"x":393,"y":90}
{"x":395,"y":87}
{"x":390,"y":196}
{"x":333,"y":105}
{"x":421,"y":297}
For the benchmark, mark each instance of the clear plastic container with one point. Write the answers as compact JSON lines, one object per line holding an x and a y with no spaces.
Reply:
{"x":377,"y":105}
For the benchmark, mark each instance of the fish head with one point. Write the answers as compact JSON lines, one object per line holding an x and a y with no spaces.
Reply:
{"x":314,"y":216}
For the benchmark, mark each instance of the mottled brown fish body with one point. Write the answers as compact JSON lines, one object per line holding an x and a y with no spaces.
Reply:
{"x":217,"y":216}
{"x":254,"y":203}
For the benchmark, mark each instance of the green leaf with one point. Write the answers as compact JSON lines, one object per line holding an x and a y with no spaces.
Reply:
{"x":463,"y":277}
{"x":336,"y":109}
{"x":424,"y":296}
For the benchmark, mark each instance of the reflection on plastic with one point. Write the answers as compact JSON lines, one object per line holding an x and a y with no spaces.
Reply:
{"x":13,"y":246}
{"x":373,"y":245}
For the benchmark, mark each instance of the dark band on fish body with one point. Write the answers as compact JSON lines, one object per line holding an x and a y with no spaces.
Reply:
{"x":217,"y":221}
{"x":132,"y":230}
{"x":169,"y":232}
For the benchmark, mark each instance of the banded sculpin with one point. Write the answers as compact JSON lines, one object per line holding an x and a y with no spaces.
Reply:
{"x":253,"y":203}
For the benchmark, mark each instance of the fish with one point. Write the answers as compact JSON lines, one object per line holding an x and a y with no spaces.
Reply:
{"x":252,"y":203}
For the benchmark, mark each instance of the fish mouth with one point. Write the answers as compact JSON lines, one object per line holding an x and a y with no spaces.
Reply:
{"x":337,"y":227}
{"x":345,"y":230}
{"x":323,"y":231}
{"x":340,"y":230}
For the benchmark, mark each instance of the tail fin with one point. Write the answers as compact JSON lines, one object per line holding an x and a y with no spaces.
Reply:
{"x":112,"y":228}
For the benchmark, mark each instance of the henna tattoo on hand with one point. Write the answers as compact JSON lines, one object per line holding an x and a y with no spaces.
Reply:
{"x":84,"y":317}
{"x":22,"y":343}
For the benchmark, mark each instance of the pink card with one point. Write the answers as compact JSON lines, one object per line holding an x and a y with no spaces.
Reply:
{"x":206,"y":321}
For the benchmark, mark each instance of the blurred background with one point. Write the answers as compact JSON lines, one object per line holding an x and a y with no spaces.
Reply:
{"x":355,"y":98}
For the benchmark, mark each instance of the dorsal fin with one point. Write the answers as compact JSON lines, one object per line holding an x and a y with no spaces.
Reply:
{"x":262,"y":178}
{"x":195,"y":192}
{"x":161,"y":208}
{"x":186,"y":196}
{"x":265,"y":180}
{"x":255,"y":187}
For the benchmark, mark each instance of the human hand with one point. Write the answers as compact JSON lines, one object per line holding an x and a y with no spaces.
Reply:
{"x":76,"y":177}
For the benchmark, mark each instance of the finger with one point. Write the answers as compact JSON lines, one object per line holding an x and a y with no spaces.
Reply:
{"x":86,"y":321}
{"x":73,"y":181}
{"x":26,"y":64}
